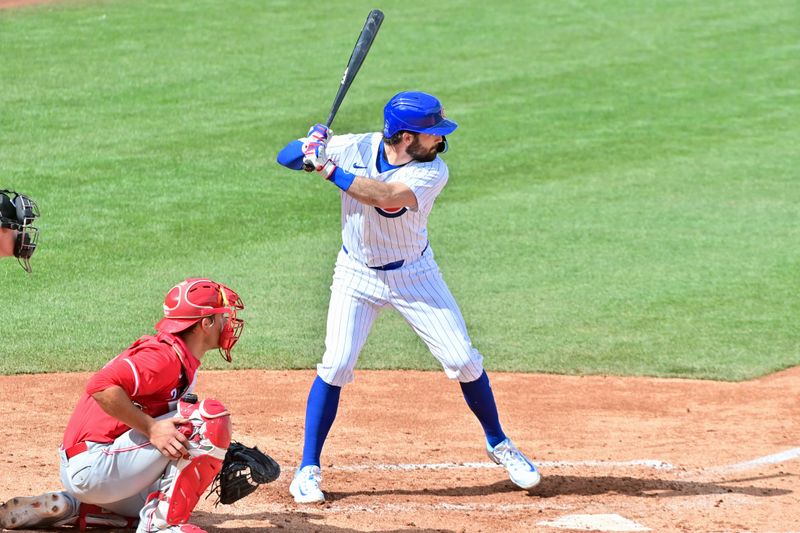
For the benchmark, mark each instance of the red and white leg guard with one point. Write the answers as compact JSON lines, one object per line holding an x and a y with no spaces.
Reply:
{"x":185,"y":480}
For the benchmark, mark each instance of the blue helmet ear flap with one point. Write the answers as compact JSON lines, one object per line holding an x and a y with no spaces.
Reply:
{"x":443,"y":146}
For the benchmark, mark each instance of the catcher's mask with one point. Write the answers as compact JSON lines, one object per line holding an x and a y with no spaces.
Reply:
{"x":193,"y":299}
{"x":19,"y":213}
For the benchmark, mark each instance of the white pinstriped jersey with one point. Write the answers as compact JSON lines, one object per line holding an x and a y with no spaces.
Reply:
{"x":375,"y":236}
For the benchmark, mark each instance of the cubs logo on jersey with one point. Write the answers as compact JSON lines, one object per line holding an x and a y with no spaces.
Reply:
{"x":392,"y":212}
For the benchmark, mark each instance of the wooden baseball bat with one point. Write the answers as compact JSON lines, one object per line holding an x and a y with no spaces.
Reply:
{"x":363,"y":44}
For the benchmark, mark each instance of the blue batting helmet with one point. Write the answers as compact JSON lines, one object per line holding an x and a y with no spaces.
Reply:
{"x":417,"y":112}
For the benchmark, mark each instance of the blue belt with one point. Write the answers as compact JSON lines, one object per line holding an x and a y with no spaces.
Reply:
{"x":394,"y":265}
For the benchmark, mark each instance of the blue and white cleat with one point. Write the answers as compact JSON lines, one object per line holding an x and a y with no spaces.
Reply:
{"x":305,"y":485}
{"x":520,"y":469}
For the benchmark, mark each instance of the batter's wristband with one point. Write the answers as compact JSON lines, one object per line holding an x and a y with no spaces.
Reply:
{"x":342,"y":178}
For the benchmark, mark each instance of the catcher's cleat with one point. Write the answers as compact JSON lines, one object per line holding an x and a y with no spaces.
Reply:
{"x":48,"y":509}
{"x":90,"y":515}
{"x":520,"y":469}
{"x":305,"y":485}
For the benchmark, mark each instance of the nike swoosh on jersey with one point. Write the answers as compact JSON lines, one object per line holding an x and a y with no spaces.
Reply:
{"x":359,"y":166}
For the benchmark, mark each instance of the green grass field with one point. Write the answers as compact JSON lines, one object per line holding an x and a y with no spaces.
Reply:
{"x":624,"y":194}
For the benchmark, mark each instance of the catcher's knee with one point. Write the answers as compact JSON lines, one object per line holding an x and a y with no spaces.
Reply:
{"x":209,"y":434}
{"x":209,"y":426}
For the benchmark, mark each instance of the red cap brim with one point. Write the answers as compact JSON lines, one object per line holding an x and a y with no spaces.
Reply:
{"x":175,"y":325}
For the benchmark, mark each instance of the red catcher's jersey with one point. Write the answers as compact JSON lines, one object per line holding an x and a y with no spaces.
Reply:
{"x":155,"y":371}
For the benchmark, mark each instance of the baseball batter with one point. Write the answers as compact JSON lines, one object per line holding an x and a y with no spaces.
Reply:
{"x":389,"y":181}
{"x":139,"y":447}
{"x":18,"y":235}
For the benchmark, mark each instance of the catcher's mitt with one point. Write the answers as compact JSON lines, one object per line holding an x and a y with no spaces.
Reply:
{"x":243,"y":470}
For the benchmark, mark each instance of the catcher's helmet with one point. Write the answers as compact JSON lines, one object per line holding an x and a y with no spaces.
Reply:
{"x":195,"y":298}
{"x":417,"y":112}
{"x":19,"y":213}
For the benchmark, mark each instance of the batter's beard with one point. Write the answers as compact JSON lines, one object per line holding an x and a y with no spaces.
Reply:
{"x":418,"y":153}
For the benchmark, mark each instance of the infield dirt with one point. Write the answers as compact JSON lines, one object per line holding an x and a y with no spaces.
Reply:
{"x":405,"y":453}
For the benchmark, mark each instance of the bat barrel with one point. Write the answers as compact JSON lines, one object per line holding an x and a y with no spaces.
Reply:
{"x":360,"y":50}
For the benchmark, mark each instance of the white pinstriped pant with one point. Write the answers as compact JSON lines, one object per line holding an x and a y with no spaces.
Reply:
{"x":418,"y":291}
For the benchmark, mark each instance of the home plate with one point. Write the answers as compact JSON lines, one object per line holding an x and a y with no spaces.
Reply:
{"x":595,"y":522}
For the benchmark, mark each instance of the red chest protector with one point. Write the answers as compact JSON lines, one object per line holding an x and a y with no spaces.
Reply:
{"x":171,"y":386}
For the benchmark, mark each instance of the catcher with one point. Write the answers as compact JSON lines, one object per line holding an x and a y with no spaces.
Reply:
{"x":139,"y":447}
{"x":18,"y":236}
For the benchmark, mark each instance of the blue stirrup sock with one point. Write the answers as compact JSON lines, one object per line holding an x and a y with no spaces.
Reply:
{"x":480,"y":399}
{"x":323,"y":402}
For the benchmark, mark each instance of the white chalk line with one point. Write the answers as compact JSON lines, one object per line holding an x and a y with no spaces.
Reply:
{"x":775,"y":458}
{"x":653,"y":464}
{"x":408,"y":507}
{"x":644,"y":463}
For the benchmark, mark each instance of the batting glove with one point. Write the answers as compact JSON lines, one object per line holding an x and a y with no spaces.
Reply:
{"x":319,"y":132}
{"x":314,"y":157}
{"x":316,"y":160}
{"x":327,"y":170}
{"x":339,"y":177}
